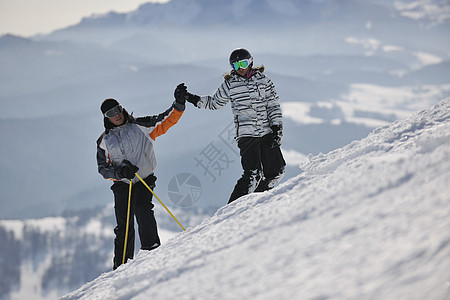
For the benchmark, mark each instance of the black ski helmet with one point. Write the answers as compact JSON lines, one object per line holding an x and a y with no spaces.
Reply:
{"x":239,"y":54}
{"x":108,"y":104}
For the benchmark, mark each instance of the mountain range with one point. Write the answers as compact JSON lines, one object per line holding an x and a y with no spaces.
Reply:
{"x":341,"y":67}
{"x":325,"y":57}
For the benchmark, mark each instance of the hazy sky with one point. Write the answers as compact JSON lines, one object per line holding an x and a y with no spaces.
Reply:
{"x":30,"y":17}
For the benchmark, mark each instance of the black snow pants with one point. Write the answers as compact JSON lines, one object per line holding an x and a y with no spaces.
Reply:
{"x":263,"y":166}
{"x":141,"y":207}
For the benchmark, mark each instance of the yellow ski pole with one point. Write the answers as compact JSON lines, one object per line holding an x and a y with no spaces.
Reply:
{"x":142,"y":180}
{"x":128,"y":221}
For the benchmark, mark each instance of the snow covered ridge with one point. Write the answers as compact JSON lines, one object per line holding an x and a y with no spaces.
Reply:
{"x":49,"y":257}
{"x":436,"y":12}
{"x":366,"y":221}
{"x":50,"y":224}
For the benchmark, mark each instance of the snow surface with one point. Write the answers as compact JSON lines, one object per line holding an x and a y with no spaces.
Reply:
{"x":367,"y":221}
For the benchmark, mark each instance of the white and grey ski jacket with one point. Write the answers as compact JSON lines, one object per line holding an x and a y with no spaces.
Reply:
{"x":133,"y":141}
{"x":254,"y":103}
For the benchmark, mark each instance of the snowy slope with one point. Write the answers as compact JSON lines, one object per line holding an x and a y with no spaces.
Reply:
{"x":366,"y":221}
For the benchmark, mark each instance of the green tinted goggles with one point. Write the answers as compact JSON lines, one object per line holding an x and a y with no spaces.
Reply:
{"x":242,"y":64}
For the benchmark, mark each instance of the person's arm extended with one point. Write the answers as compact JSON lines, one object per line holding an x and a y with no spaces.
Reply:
{"x":159,"y":124}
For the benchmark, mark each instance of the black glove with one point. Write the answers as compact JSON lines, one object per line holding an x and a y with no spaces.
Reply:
{"x":191,"y":98}
{"x":128,"y":170}
{"x":180,"y":93}
{"x":277,"y":135}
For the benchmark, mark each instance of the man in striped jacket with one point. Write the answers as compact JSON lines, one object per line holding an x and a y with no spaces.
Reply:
{"x":258,"y":122}
{"x":126,"y":147}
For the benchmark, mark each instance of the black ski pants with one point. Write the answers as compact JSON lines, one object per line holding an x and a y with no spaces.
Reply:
{"x":263,"y":166}
{"x":141,"y":207}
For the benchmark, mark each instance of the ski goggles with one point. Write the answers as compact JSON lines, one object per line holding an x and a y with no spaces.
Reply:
{"x":116,"y":110}
{"x":242,"y":64}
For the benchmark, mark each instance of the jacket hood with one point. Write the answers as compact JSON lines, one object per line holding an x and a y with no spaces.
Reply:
{"x":230,"y":74}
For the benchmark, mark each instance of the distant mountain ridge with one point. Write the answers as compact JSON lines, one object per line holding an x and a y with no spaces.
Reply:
{"x":316,"y":26}
{"x":261,"y":12}
{"x":50,"y":256}
{"x":236,"y":12}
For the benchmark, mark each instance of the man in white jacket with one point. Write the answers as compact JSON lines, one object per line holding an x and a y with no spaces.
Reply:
{"x":124,"y":149}
{"x":258,"y":122}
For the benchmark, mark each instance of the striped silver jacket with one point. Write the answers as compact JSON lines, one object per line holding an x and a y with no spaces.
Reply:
{"x":254,"y":103}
